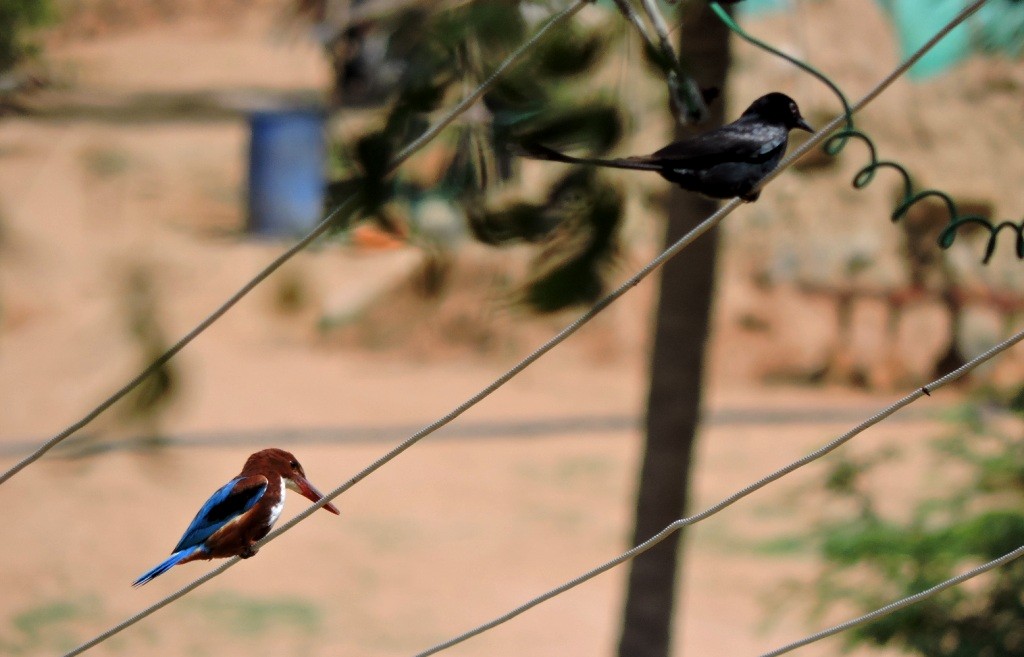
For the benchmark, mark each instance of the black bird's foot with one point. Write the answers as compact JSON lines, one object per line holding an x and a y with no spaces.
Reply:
{"x":751,"y":197}
{"x":248,"y":551}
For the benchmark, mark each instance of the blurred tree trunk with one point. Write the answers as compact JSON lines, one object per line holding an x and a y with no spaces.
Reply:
{"x":677,"y":363}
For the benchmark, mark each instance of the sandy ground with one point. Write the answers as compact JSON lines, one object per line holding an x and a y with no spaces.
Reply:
{"x":462,"y":527}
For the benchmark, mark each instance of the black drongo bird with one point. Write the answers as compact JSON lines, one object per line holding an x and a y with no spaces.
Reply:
{"x":721,"y":163}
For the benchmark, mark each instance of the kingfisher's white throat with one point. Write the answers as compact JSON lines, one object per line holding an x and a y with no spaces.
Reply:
{"x":275,"y":510}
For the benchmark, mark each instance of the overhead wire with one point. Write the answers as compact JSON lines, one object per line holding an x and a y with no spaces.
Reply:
{"x":560,"y":337}
{"x":671,"y":529}
{"x":897,"y":604}
{"x":687,"y":99}
{"x":728,"y":501}
{"x":866,"y":174}
{"x":179,"y":345}
{"x":312,"y":236}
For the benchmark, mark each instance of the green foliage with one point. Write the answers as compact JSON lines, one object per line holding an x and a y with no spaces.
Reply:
{"x":547,"y":97}
{"x":105,"y":161}
{"x":576,"y":226}
{"x":248,"y":616}
{"x":17,"y":18}
{"x":48,"y":626}
{"x":872,"y":558}
{"x":574,"y":53}
{"x":568,"y":269}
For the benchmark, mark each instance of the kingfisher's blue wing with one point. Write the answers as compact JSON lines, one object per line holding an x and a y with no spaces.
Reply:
{"x":228,"y":503}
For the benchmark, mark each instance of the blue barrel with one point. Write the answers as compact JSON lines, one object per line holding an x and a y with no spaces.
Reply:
{"x":287,"y":159}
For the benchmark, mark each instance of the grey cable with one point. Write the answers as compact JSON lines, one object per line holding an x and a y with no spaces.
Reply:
{"x":630,"y":14}
{"x":670,"y":252}
{"x":884,"y":84}
{"x":319,"y":230}
{"x":180,"y":344}
{"x":727,"y":502}
{"x":679,"y":81}
{"x":436,"y":128}
{"x":724,"y":210}
{"x":898,"y":604}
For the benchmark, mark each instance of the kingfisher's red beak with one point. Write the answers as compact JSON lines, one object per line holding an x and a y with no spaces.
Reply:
{"x":310,"y":492}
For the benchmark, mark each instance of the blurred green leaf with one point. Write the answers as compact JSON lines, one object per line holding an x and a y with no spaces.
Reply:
{"x":871,"y":559}
{"x":570,"y":51}
{"x":443,"y":54}
{"x":570,"y":267}
{"x":17,"y":20}
{"x":1017,"y":402}
{"x":517,"y":222}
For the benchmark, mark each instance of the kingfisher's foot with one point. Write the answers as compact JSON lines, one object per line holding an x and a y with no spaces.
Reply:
{"x":248,"y":551}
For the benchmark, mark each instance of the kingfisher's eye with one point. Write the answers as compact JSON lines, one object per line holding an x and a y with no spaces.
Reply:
{"x":295,"y":465}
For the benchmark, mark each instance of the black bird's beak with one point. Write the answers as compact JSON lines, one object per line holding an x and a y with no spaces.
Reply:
{"x":804,"y":125}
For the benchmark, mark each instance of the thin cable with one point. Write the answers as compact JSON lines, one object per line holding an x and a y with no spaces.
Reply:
{"x":729,"y":22}
{"x":180,"y":344}
{"x":679,"y":524}
{"x":422,"y":433}
{"x":729,"y":501}
{"x":681,"y":84}
{"x":899,"y":604}
{"x":884,"y":84}
{"x":835,"y":144}
{"x":319,"y":230}
{"x":684,"y":90}
{"x":667,"y":254}
{"x":630,"y":14}
{"x":435,"y":129}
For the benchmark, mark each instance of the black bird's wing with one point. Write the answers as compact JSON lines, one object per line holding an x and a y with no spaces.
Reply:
{"x":741,"y":141}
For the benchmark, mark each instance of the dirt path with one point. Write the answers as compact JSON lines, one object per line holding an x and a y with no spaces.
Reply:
{"x":98,"y":215}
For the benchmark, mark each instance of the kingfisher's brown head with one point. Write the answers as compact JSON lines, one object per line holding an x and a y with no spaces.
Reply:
{"x":285,"y":465}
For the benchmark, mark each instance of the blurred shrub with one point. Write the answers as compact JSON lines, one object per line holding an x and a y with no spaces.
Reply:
{"x":547,"y":97}
{"x":17,"y":19}
{"x":872,"y":558}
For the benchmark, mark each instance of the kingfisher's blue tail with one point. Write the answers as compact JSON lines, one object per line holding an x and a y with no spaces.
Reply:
{"x":166,"y":565}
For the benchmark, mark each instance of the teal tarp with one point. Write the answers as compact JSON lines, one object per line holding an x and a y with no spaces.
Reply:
{"x":916,"y":21}
{"x":760,"y":6}
{"x":997,"y":27}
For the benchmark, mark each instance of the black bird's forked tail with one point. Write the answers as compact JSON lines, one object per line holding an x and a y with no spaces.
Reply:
{"x":537,"y":151}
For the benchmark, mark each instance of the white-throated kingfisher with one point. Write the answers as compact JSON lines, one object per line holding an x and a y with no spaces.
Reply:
{"x":241,"y":512}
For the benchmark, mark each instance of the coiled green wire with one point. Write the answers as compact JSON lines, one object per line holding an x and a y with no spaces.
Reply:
{"x":838,"y":141}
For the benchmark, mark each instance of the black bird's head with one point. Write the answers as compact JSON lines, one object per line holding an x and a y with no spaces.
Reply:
{"x":778,"y":109}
